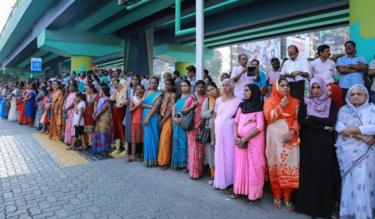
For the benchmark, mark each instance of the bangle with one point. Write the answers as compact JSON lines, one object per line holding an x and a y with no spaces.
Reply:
{"x":351,"y":136}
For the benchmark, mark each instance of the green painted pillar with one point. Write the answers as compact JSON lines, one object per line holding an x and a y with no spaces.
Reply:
{"x":80,"y":63}
{"x":181,"y":67}
{"x":362,"y":26}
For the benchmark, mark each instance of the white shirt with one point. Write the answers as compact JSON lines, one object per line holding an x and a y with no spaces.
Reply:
{"x":145,"y":83}
{"x":299,"y":64}
{"x":325,"y":70}
{"x":372,"y":66}
{"x":81,"y":106}
{"x":239,"y":85}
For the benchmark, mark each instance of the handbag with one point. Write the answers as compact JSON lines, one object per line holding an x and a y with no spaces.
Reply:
{"x":186,"y":121}
{"x":204,"y":134}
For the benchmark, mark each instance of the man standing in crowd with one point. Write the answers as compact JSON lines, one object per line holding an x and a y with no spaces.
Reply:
{"x":371,"y":73}
{"x":296,"y":69}
{"x":191,"y":76}
{"x":351,"y":68}
{"x":239,"y":76}
{"x":177,"y":82}
{"x":273,"y":74}
{"x":324,"y":68}
{"x":260,"y":77}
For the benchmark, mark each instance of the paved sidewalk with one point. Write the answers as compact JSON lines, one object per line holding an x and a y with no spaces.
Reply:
{"x":34,"y":185}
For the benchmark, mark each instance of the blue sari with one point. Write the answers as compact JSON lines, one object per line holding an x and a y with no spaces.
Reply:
{"x":179,"y":152}
{"x":151,"y":132}
{"x":3,"y":108}
{"x":30,"y":107}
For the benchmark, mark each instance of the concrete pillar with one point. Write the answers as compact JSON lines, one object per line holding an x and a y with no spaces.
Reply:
{"x":362,"y":28}
{"x":181,"y":67}
{"x":80,"y":63}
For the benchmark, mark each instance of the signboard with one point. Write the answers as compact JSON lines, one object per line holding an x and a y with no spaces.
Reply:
{"x":36,"y":64}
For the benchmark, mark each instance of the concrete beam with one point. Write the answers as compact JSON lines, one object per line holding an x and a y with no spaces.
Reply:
{"x":81,"y":44}
{"x":178,"y":53}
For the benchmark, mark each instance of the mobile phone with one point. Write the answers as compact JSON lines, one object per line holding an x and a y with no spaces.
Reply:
{"x":178,"y":115}
{"x":251,"y":71}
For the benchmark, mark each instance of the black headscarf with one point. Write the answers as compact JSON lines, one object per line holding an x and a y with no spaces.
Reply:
{"x":254,"y":104}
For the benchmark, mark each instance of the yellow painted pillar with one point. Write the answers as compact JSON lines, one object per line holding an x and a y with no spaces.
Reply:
{"x":181,"y":67}
{"x":80,"y":63}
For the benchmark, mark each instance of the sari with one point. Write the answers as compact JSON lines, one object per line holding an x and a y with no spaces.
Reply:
{"x":195,"y":149}
{"x":127,"y":121}
{"x":56,"y":120}
{"x":166,"y":135}
{"x":225,"y":111}
{"x":30,"y":107}
{"x":179,"y":149}
{"x":21,"y":107}
{"x":102,"y":136}
{"x":119,"y":112}
{"x":39,"y":111}
{"x":356,"y":159}
{"x":12,"y":116}
{"x":69,"y":127}
{"x":282,"y":158}
{"x":151,"y":131}
{"x":87,"y":116}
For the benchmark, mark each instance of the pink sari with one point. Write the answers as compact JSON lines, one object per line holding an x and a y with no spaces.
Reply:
{"x":195,"y":149}
{"x":224,"y":141}
{"x":250,"y":162}
{"x":69,"y":127}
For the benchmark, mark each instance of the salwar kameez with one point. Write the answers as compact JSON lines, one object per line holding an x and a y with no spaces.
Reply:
{"x":12,"y":116}
{"x":179,"y":150}
{"x":282,"y":158}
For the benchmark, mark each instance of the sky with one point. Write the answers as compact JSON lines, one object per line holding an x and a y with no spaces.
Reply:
{"x":5,"y":9}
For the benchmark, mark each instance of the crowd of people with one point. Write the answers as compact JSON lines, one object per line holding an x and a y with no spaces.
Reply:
{"x":295,"y":126}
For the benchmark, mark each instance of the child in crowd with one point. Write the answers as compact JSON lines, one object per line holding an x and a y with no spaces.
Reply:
{"x":78,"y":121}
{"x":137,"y":127}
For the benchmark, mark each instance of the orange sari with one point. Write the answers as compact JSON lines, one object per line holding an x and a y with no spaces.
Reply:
{"x":56,"y":123}
{"x":282,"y":158}
{"x":21,"y":108}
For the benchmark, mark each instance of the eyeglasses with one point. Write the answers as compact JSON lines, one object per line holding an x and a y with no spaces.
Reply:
{"x":315,"y":87}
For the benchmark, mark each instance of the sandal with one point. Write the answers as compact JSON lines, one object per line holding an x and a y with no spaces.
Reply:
{"x":289,"y":205}
{"x":276,"y":203}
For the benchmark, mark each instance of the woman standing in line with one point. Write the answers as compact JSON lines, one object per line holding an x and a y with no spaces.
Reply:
{"x":102,"y":136}
{"x":207,"y":113}
{"x":282,"y":141}
{"x":137,"y":133}
{"x":118,"y":114}
{"x":151,"y":128}
{"x":39,"y":112}
{"x":166,"y":135}
{"x":249,"y":152}
{"x":30,"y":104}
{"x":69,"y":110}
{"x":91,"y":99}
{"x":356,"y":154}
{"x":12,"y":116}
{"x":56,"y":122}
{"x":319,"y":173}
{"x":225,"y":110}
{"x":127,"y":122}
{"x":195,"y":149}
{"x":179,"y":150}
